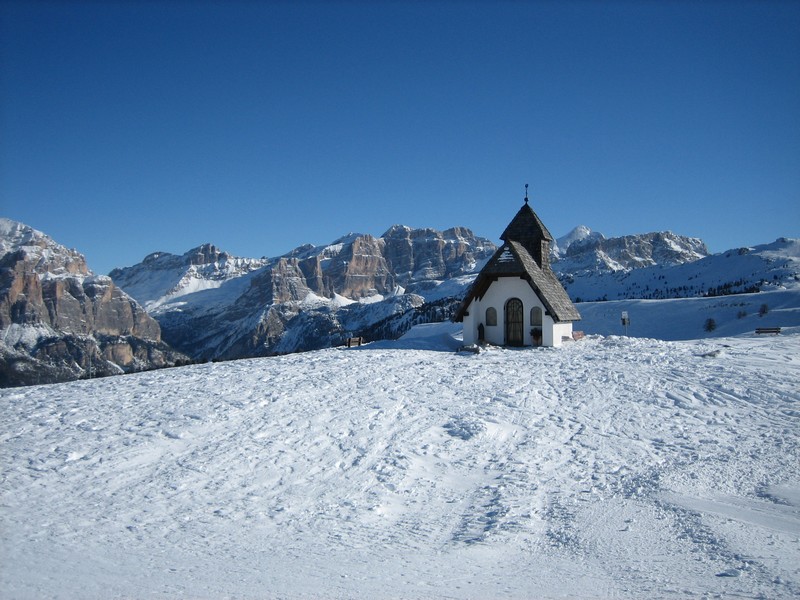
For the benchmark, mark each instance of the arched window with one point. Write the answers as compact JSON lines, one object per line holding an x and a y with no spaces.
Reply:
{"x":536,"y":317}
{"x":491,"y":316}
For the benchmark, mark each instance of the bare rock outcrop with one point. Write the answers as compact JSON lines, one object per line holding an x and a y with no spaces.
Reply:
{"x":425,"y":254}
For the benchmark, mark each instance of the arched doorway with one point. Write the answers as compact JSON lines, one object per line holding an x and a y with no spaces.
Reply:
{"x":514,"y":322}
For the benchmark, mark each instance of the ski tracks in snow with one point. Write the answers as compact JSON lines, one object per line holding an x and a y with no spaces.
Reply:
{"x":608,"y":468}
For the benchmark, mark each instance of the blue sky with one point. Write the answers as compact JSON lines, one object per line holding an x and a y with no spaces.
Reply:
{"x":131,"y":127}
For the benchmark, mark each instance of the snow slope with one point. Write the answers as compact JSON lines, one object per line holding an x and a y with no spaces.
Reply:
{"x":612,"y":467}
{"x":685,"y":318}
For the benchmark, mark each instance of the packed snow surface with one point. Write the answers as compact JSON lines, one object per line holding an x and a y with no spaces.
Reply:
{"x":611,"y":467}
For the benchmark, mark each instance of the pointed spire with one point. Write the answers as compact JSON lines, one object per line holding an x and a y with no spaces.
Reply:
{"x":526,"y":193}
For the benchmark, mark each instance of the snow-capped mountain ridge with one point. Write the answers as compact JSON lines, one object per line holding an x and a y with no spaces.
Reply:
{"x":39,"y":251}
{"x":402,"y":256}
{"x":590,"y":251}
{"x":162,"y":276}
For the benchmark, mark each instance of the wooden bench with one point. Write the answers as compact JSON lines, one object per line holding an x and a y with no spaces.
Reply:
{"x":772,"y":330}
{"x":353,"y":341}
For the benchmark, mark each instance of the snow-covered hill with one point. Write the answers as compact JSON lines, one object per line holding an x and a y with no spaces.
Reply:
{"x":694,"y":318}
{"x":612,"y":467}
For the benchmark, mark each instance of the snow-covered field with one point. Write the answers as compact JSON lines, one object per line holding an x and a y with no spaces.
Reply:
{"x":612,"y":467}
{"x":685,"y":318}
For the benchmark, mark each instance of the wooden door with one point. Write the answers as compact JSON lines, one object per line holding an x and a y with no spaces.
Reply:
{"x":514,"y":322}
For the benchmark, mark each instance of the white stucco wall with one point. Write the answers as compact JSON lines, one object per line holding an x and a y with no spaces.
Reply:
{"x":560,"y":331}
{"x":470,"y":328}
{"x":496,"y":296}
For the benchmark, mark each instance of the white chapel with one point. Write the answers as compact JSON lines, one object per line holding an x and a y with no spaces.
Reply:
{"x":517,"y":300}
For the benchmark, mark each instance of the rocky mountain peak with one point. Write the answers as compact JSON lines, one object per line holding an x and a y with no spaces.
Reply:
{"x":397,"y":231}
{"x":60,"y":322}
{"x":33,"y":251}
{"x":154,"y":257}
{"x":578,"y":234}
{"x":205,"y":255}
{"x":303,"y":251}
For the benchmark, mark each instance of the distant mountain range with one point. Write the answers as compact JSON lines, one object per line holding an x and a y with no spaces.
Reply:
{"x":665,"y":265}
{"x":213,"y":305}
{"x":585,"y":250}
{"x":59,"y":321}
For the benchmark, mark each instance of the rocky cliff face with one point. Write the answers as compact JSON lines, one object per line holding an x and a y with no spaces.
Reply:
{"x":213,"y":305}
{"x":417,"y":255}
{"x":58,"y":321}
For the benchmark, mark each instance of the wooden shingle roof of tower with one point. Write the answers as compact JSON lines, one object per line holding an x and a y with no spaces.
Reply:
{"x":527,"y":229}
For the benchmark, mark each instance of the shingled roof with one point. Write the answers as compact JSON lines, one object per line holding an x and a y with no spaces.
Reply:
{"x":526,"y":226}
{"x":517,"y":258}
{"x":527,"y":229}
